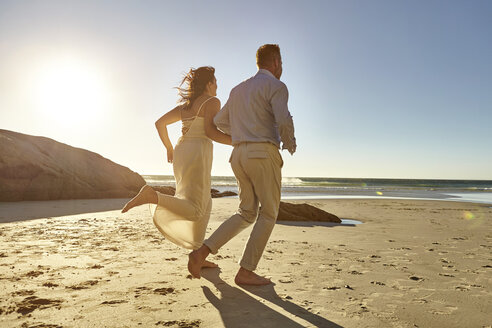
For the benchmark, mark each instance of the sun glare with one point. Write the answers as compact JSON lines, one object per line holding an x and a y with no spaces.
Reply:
{"x":70,"y":92}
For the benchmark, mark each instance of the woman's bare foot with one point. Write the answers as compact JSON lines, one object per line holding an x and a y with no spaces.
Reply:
{"x":208,"y":264}
{"x":246,"y":277}
{"x":197,"y":260}
{"x":146,"y":195}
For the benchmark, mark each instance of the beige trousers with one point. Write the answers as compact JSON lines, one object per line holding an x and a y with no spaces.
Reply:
{"x":257,"y":167}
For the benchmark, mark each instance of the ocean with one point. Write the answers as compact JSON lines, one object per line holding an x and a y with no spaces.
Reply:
{"x":322,"y":188}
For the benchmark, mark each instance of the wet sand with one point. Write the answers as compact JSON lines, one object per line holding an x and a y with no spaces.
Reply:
{"x":411,"y":263}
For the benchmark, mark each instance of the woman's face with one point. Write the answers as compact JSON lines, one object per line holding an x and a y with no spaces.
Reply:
{"x":212,"y":87}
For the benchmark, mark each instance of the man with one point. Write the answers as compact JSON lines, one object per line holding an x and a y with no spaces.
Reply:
{"x":257,"y":118}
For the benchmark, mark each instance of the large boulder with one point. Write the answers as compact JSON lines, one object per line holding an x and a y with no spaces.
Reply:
{"x":39,"y":168}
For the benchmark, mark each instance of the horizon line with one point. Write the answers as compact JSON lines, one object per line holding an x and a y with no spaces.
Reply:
{"x":324,"y":177}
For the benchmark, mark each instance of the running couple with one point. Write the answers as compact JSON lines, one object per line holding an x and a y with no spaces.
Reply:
{"x":255,"y":120}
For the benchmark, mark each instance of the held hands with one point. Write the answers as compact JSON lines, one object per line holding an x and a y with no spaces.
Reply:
{"x":170,"y":154}
{"x":291,"y":148}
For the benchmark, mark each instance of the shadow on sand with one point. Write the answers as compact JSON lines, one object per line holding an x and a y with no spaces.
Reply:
{"x":239,"y":309}
{"x":28,"y":210}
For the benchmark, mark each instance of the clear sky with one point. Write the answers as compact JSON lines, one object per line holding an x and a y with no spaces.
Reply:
{"x":382,"y":89}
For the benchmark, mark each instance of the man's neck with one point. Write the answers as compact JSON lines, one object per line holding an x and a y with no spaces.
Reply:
{"x":269,"y":70}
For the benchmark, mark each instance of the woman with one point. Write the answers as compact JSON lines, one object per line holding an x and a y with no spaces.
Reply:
{"x":183,"y":218}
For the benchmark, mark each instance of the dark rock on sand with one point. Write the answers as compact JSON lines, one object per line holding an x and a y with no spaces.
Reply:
{"x":304,"y":212}
{"x":216,"y":194}
{"x":39,"y":168}
{"x":168,"y":190}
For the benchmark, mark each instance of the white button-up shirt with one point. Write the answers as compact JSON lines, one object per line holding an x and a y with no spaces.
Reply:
{"x":256,"y":111}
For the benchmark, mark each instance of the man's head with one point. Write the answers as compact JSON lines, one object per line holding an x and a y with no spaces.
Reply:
{"x":268,"y":57}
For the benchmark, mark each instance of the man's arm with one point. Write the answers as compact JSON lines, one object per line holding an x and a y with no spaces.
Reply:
{"x":284,"y":119}
{"x":221,"y":120}
{"x":211,"y":109}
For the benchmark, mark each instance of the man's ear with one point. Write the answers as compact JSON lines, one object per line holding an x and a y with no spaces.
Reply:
{"x":276,"y":61}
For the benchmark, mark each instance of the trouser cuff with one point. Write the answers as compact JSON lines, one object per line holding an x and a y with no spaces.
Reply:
{"x":213,"y":249}
{"x":247,"y":266}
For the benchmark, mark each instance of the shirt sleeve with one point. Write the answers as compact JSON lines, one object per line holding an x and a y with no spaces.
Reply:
{"x":283,"y":118}
{"x":221,"y":120}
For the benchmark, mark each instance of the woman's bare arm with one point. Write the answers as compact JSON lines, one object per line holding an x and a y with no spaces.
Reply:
{"x":161,"y":124}
{"x":212,"y":107}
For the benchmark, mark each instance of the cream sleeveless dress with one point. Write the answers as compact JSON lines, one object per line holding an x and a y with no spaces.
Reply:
{"x":183,"y":218}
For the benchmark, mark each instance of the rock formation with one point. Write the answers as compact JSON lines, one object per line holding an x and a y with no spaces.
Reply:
{"x":287,"y":211}
{"x":304,"y":212}
{"x":39,"y":168}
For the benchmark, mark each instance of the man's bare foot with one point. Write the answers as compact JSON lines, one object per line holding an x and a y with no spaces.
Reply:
{"x":208,"y":264}
{"x":146,"y":195}
{"x":246,"y":277}
{"x":196,"y":260}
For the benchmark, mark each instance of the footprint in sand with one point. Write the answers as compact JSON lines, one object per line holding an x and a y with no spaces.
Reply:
{"x":286,"y":280}
{"x":50,"y":284}
{"x":112,"y":302}
{"x":220,"y":257}
{"x":443,"y":310}
{"x":171,"y":259}
{"x":96,"y":266}
{"x":355,"y":272}
{"x":415,"y":278}
{"x":147,"y":290}
{"x":140,"y":290}
{"x":34,"y":273}
{"x":420,"y":301}
{"x":83,"y":285}
{"x":466,"y":287}
{"x":164,"y":291}
{"x":39,"y":325}
{"x":31,"y":303}
{"x":180,"y":323}
{"x":378,"y":283}
{"x":281,"y":241}
{"x":24,"y":292}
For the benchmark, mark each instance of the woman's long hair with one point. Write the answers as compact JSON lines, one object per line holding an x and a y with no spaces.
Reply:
{"x":194,"y":83}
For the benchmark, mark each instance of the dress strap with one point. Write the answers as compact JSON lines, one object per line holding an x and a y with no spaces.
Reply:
{"x":198,"y":112}
{"x":203,"y":103}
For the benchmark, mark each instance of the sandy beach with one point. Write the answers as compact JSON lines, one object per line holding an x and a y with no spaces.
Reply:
{"x":411,"y":263}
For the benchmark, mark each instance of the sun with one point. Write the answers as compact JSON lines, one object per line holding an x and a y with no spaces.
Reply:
{"x":71,"y":92}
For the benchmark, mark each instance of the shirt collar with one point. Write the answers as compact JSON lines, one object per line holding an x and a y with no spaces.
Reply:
{"x":265,"y":71}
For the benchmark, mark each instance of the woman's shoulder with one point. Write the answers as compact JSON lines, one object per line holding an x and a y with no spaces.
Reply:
{"x":210,"y":105}
{"x":213,"y":101}
{"x":210,"y":102}
{"x":204,"y":101}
